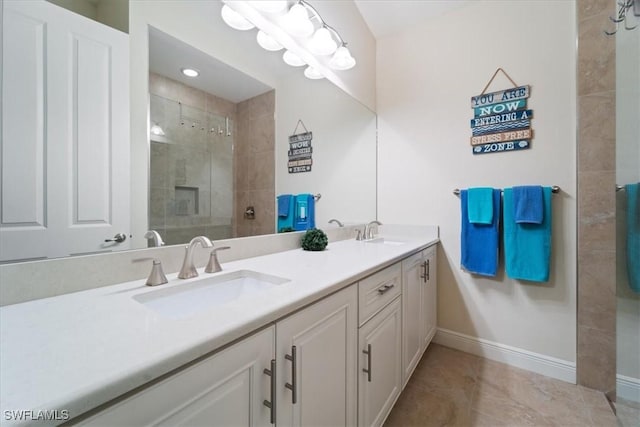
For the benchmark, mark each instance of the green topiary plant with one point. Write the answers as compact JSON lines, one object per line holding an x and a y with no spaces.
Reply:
{"x":314,"y":240}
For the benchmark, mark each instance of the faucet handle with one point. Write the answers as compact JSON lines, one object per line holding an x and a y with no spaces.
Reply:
{"x":358,"y":234}
{"x":214,"y":265}
{"x":156,"y":276}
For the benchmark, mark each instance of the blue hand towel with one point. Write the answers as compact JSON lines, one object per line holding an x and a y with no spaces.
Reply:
{"x":284,"y":201}
{"x":528,"y":204}
{"x":527,"y":247}
{"x":480,"y":205}
{"x":633,"y":235}
{"x":479,"y":242}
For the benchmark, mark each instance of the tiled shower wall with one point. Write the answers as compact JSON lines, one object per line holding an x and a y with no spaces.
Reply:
{"x":254,"y":159}
{"x":596,"y":358}
{"x":194,"y":157}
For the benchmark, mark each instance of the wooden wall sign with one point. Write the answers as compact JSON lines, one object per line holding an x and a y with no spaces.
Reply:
{"x":501,"y":121}
{"x":300,"y":153}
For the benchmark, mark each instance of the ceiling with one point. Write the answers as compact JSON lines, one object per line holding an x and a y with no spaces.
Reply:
{"x":167,"y":55}
{"x":387,"y":17}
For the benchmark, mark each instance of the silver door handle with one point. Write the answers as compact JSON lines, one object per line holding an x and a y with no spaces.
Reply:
{"x":118,"y":238}
{"x":272,"y":403}
{"x":424,"y":276}
{"x":294,"y":362}
{"x":428,"y":269}
{"x":368,"y":353}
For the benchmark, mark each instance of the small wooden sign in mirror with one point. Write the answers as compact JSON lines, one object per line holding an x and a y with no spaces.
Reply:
{"x":300,"y":150}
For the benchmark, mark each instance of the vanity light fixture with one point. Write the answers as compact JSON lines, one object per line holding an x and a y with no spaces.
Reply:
{"x":190,"y":72}
{"x":292,"y":59}
{"x":270,"y":6}
{"x":267,"y":42}
{"x":312,"y":73}
{"x":301,"y":28}
{"x":235,"y":20}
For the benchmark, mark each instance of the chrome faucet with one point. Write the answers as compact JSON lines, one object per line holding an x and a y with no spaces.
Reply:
{"x":155,"y":238}
{"x":368,"y":231}
{"x":188,"y":270}
{"x":214,"y":265}
{"x":340,"y":224}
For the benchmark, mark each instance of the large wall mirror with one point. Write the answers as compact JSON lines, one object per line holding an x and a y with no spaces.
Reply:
{"x":213,"y":134}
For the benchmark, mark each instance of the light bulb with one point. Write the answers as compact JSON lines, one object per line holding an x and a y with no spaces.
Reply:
{"x":157,"y":130}
{"x":342,"y":59}
{"x":322,"y":43}
{"x":234,"y":19}
{"x":312,"y":73}
{"x":267,"y":42}
{"x":270,"y":6}
{"x":292,"y":59}
{"x":190,"y":72}
{"x":296,"y":22}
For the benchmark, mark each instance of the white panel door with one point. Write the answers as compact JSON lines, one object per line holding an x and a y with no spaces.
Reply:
{"x":317,"y":385}
{"x":227,"y":389}
{"x":65,"y":133}
{"x":380,"y":370}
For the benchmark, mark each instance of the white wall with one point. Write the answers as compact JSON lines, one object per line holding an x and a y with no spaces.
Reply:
{"x":198,"y":23}
{"x":627,"y":172}
{"x":426,"y":76}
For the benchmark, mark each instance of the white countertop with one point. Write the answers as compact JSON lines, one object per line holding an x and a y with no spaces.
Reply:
{"x":77,"y":351}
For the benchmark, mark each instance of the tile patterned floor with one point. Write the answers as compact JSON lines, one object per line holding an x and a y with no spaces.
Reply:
{"x":452,"y":388}
{"x":628,"y":413}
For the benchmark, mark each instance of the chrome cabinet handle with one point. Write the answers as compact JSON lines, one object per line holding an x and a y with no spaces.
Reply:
{"x":271,"y":404}
{"x":386,"y":288}
{"x":294,"y":362}
{"x":118,"y":238}
{"x":428,"y":270}
{"x":424,"y":276}
{"x":368,"y":353}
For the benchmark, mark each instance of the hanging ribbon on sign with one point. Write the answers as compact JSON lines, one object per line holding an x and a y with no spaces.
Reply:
{"x":300,"y":150}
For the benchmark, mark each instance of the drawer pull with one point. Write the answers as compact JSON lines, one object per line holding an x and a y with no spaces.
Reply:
{"x":294,"y":362}
{"x":368,"y":370}
{"x":271,"y":404}
{"x":386,"y":288}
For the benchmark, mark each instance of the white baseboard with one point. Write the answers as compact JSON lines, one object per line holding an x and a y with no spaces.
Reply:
{"x":520,"y":358}
{"x":628,"y":388}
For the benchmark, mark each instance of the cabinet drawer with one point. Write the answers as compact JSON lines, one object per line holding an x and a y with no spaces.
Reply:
{"x":377,"y":290}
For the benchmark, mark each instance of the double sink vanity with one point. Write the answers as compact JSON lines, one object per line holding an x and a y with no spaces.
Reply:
{"x":289,"y":338}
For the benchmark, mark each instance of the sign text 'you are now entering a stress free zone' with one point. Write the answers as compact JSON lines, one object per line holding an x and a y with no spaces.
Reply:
{"x":501,"y":121}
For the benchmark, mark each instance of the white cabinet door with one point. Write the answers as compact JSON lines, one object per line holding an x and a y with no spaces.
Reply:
{"x":380,"y":369}
{"x":419,"y":307}
{"x":316,"y":357}
{"x":227,"y":389}
{"x":65,"y":133}
{"x":430,"y":296}
{"x":412,"y":313}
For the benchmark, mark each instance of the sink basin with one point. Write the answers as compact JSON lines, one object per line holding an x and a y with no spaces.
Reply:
{"x":383,"y":241}
{"x":182,"y":301}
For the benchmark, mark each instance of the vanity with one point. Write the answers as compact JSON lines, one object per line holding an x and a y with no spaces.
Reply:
{"x":325,"y":337}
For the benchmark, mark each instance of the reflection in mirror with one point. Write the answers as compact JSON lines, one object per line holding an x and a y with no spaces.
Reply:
{"x":202,"y":129}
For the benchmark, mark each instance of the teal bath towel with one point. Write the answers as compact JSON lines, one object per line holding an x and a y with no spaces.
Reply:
{"x":527,"y":247}
{"x":633,"y":236}
{"x":480,"y":205}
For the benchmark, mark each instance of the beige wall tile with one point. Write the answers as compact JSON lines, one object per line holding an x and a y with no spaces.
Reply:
{"x":597,"y":132}
{"x":596,"y":358}
{"x":596,"y":56}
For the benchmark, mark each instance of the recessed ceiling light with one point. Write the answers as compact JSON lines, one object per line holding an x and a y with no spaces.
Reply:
{"x":190,"y":72}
